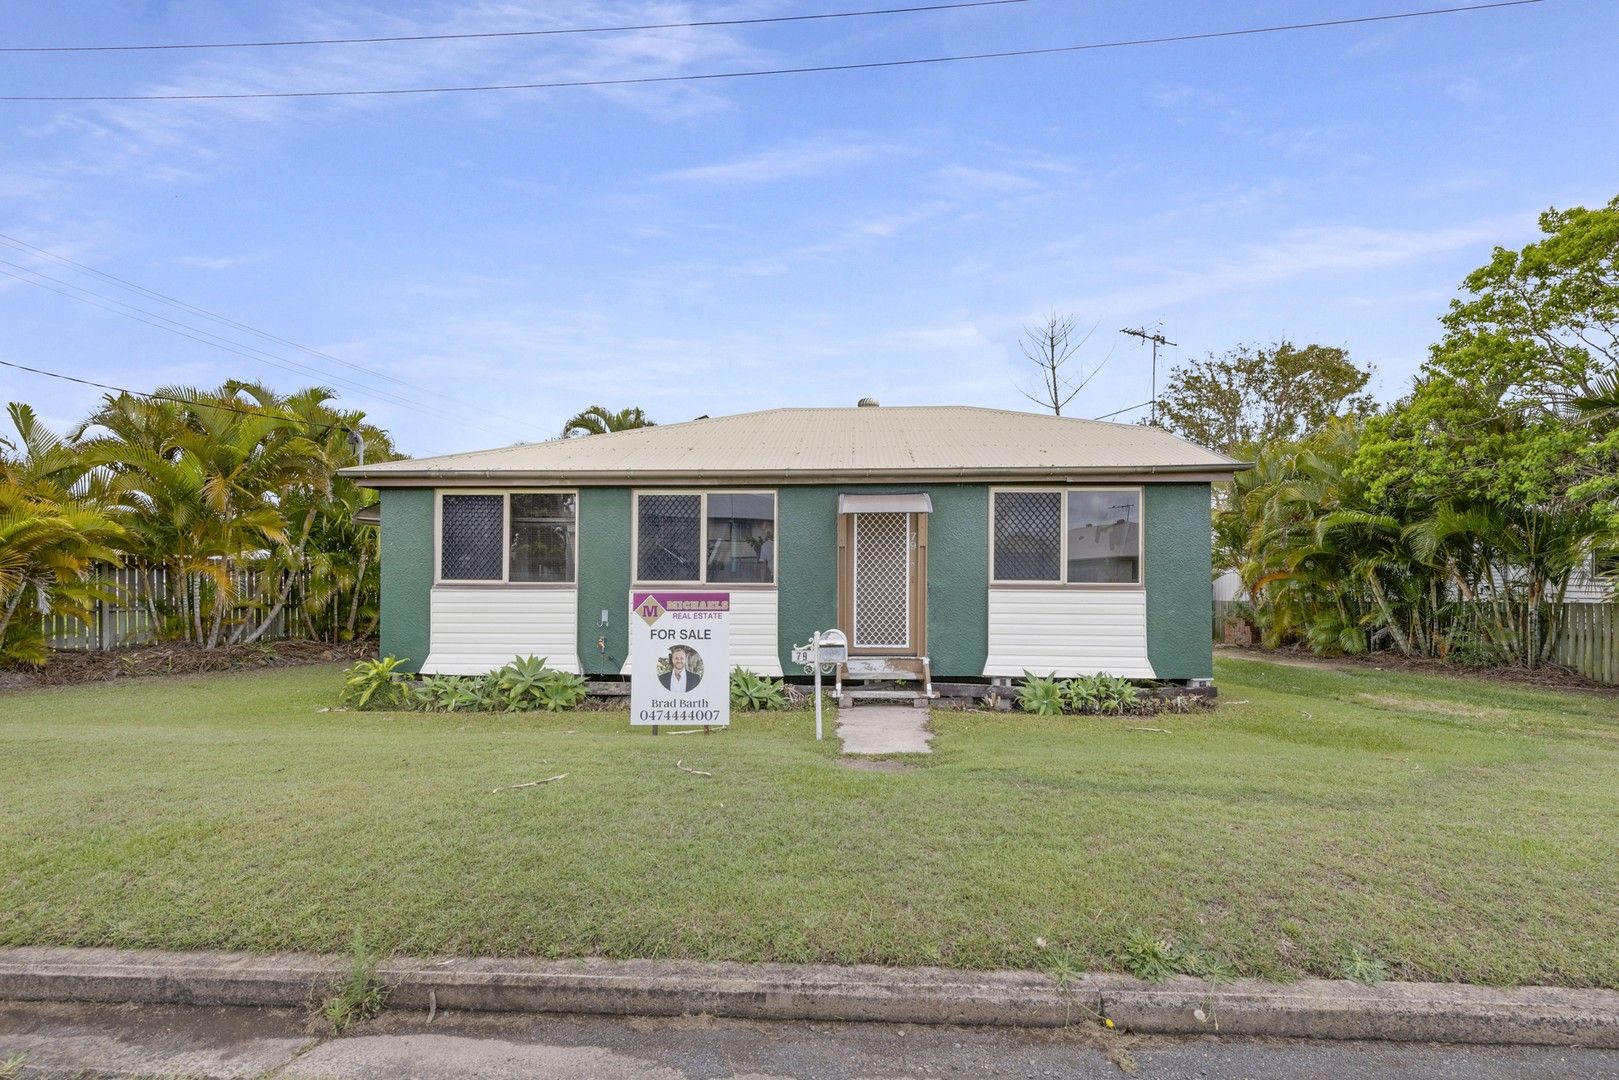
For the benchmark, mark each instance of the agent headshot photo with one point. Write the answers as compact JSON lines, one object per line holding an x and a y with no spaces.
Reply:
{"x":682,"y":675}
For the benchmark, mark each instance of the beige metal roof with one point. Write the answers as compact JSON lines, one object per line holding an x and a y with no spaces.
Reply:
{"x":901,"y":443}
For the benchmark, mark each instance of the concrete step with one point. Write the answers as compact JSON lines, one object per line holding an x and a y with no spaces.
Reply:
{"x":852,"y":698}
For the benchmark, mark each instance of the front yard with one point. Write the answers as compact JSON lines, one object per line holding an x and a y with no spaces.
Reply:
{"x":1446,"y":829}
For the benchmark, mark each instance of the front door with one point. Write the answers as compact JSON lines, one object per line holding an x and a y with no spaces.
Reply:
{"x":882,"y":591}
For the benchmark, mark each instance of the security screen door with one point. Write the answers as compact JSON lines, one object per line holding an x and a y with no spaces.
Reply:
{"x":884,"y":544}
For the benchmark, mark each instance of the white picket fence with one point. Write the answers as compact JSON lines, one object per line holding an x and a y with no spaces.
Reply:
{"x":127,"y":620}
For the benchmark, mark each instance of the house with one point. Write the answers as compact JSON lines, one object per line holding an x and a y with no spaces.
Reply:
{"x":988,"y":542}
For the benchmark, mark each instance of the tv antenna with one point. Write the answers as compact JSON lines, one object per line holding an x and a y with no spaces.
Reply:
{"x":1157,"y":339}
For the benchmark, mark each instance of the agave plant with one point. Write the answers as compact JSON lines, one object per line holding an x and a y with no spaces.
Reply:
{"x":755,"y":692}
{"x":1042,"y":696}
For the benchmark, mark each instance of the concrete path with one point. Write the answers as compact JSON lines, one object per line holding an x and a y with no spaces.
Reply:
{"x":198,"y":1042}
{"x":884,"y":729}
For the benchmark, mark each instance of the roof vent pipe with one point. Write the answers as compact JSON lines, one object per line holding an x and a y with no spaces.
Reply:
{"x":869,"y":403}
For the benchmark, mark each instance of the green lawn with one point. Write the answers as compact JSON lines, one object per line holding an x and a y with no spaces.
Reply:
{"x":1450,"y":829}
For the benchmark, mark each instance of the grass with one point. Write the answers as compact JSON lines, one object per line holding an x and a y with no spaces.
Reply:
{"x":1422,"y":826}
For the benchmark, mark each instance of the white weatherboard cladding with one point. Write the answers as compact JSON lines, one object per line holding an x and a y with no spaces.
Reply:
{"x":1069,"y":632}
{"x":753,"y":627}
{"x":478,"y":628}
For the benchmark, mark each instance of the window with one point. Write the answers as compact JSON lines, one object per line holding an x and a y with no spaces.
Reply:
{"x":1028,"y":536}
{"x":1104,"y":537}
{"x":1077,"y":536}
{"x":741,"y":541}
{"x":470,"y":550}
{"x":715,"y":537}
{"x":518,"y":537}
{"x":542,"y":537}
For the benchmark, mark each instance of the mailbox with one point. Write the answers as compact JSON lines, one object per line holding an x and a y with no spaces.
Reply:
{"x":834,"y":646}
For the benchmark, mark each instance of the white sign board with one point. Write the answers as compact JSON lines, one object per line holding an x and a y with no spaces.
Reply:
{"x":680,"y":658}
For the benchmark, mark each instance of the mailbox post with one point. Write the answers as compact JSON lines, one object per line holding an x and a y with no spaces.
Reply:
{"x":826,"y":650}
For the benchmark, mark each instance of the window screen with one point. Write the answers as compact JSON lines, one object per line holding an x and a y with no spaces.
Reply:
{"x":470,"y":542}
{"x":542,"y":537}
{"x":1104,"y":536}
{"x":1028,"y":536}
{"x":742,"y":537}
{"x":669,"y":538}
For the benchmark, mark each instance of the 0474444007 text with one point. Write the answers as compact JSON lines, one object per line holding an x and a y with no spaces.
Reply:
{"x":678,"y":716}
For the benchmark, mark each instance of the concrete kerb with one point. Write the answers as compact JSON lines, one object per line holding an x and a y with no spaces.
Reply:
{"x":1308,"y":1009}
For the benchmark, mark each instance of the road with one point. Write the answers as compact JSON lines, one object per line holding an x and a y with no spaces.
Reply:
{"x":194,"y":1042}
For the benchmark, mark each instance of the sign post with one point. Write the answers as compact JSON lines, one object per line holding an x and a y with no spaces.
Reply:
{"x":680,"y":658}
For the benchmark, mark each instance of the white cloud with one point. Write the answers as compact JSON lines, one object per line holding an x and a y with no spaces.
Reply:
{"x":808,"y":158}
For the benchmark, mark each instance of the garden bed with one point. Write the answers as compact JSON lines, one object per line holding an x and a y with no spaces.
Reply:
{"x":67,"y":667}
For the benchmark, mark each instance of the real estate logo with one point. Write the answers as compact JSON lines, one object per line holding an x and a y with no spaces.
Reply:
{"x":650,"y":609}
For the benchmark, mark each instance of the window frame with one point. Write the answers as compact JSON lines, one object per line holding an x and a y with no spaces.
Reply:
{"x":505,"y":580}
{"x":1062,"y":582}
{"x":702,"y":581}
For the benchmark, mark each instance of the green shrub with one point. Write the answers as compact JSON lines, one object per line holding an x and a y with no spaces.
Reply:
{"x":756,"y":693}
{"x":1041,"y":696}
{"x":446,"y":693}
{"x":374,"y":684}
{"x":1101,"y":693}
{"x":523,"y":685}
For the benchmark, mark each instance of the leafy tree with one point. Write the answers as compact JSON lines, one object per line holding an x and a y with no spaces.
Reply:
{"x":1542,"y":323}
{"x":597,"y":420}
{"x":1253,"y":395}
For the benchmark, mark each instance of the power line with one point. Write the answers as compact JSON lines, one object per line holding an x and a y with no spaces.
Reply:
{"x":172,"y":301}
{"x":159,"y":396}
{"x":163,"y":322}
{"x":165,"y":298}
{"x":1115,"y":412}
{"x":554,"y":32}
{"x":815,"y":69}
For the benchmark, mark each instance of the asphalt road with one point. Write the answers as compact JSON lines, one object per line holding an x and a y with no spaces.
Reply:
{"x":179,"y":1041}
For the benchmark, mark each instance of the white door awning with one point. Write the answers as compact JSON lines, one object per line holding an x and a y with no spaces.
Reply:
{"x":918,"y":503}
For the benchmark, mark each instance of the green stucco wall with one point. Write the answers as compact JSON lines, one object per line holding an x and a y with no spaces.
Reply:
{"x":604,"y":578}
{"x":1180,"y":595}
{"x":407,"y":573}
{"x":1178,"y":557}
{"x":958,"y":570}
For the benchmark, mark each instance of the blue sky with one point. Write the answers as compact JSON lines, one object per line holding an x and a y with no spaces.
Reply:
{"x":717,"y":247}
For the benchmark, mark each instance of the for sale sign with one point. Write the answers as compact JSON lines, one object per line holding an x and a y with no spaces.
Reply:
{"x":680,"y":658}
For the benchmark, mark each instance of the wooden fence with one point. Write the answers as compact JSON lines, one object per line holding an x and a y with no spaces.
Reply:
{"x":127,"y":620}
{"x":1589,"y":643}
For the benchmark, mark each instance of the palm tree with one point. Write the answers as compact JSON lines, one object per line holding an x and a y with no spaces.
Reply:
{"x":54,"y":528}
{"x":596,"y":420}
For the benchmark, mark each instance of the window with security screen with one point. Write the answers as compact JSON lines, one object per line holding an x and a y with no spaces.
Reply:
{"x":471,"y":539}
{"x":1028,"y":536}
{"x":669,"y":538}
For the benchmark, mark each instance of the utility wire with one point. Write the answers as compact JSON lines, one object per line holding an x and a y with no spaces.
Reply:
{"x":165,"y":298}
{"x":815,"y":69}
{"x":1115,"y":412}
{"x":245,"y":327}
{"x":163,"y":322}
{"x":160,"y":396}
{"x":555,"y":32}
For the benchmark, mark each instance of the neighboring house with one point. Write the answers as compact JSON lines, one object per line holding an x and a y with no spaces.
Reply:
{"x":989,"y":542}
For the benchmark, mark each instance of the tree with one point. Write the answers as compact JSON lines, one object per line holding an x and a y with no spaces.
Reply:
{"x":597,"y":420}
{"x":54,"y":528}
{"x":1253,"y":395}
{"x":1050,"y":347}
{"x":1543,"y":322}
